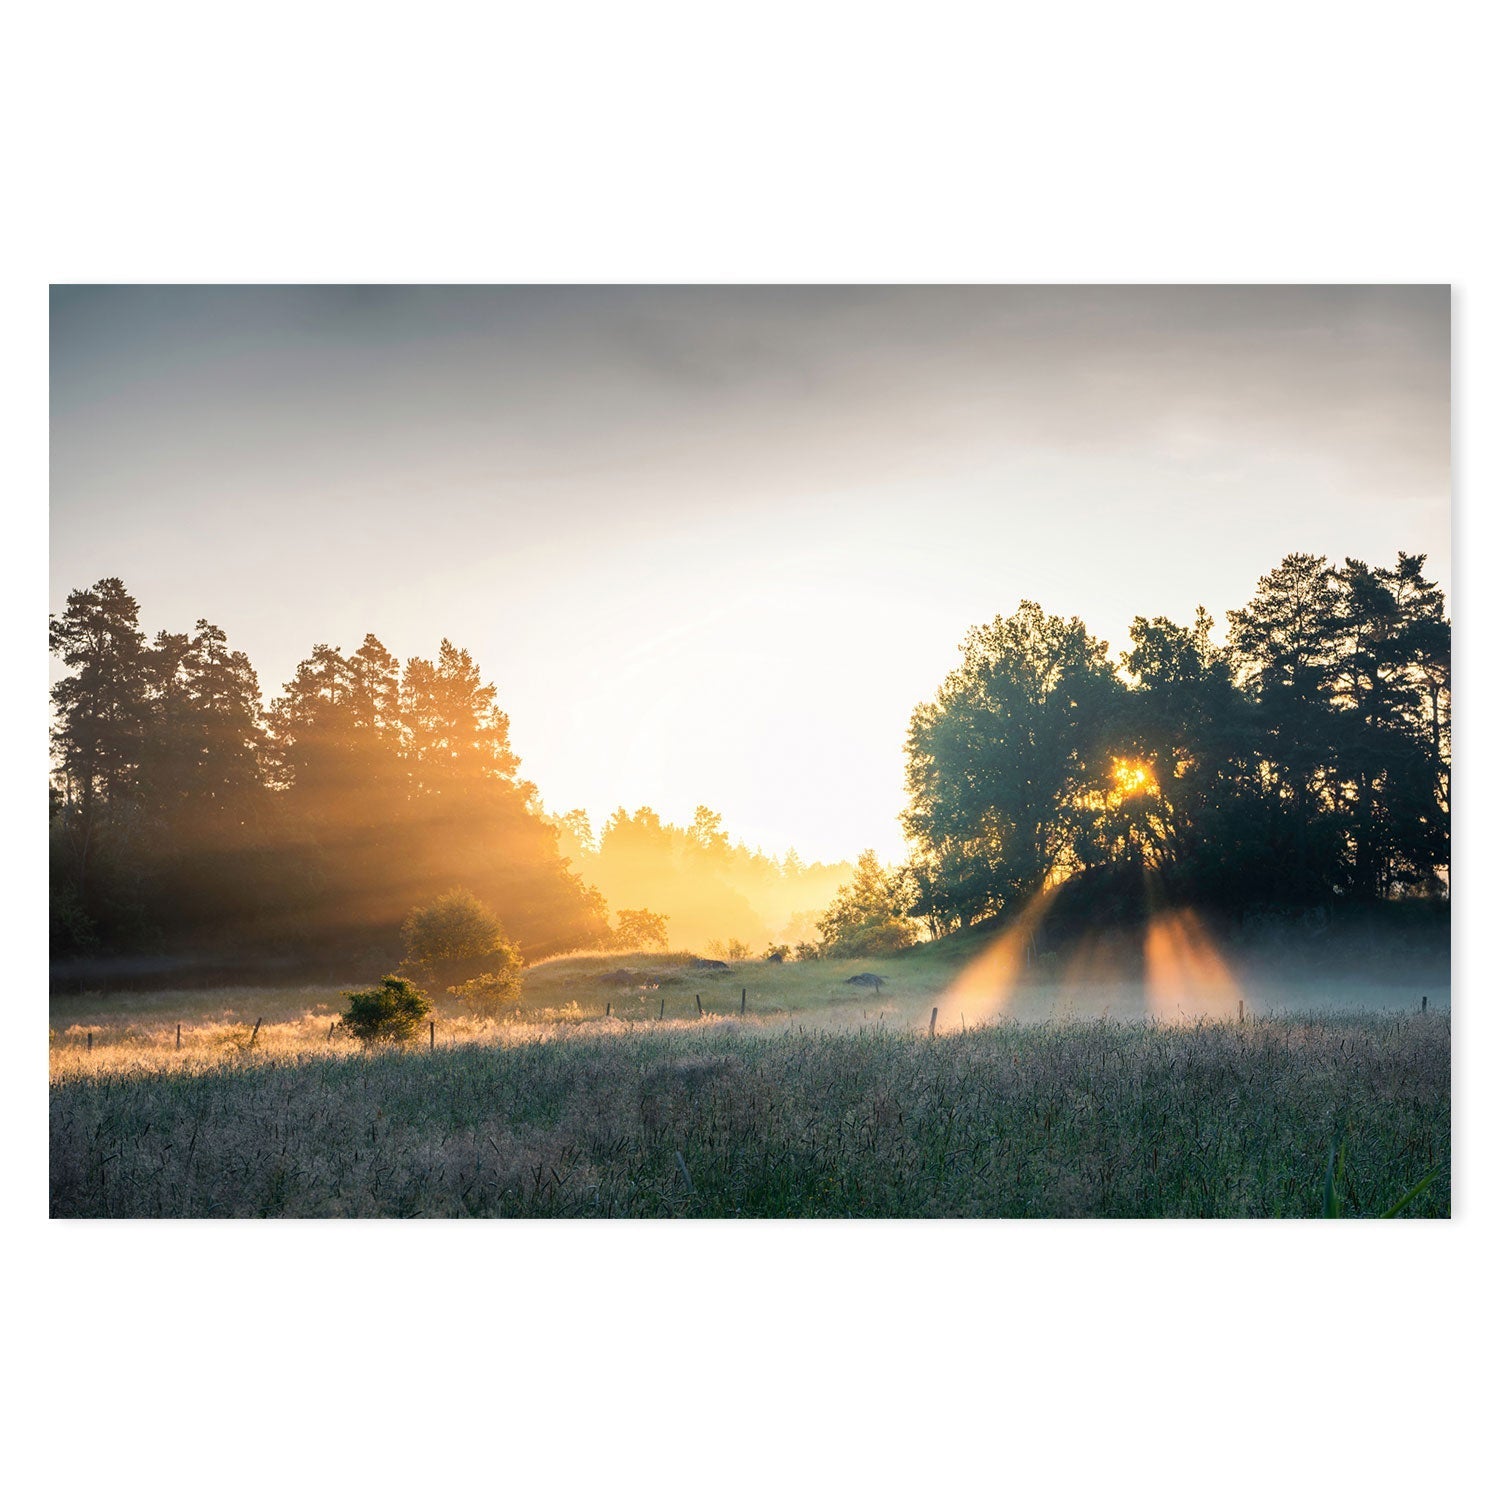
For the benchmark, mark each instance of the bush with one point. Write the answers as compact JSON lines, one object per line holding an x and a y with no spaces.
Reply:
{"x":732,"y":950}
{"x":806,"y":952}
{"x":391,"y":1013}
{"x":497,"y":990}
{"x":873,"y":939}
{"x":778,"y":953}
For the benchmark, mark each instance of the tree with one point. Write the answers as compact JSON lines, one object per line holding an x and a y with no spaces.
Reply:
{"x":868,"y":915}
{"x":575,"y":834}
{"x":707,"y":835}
{"x":639,"y":928}
{"x":1186,"y":720}
{"x":389,"y":1013}
{"x":454,"y":730}
{"x":99,"y":710}
{"x":996,"y":764}
{"x":1338,"y":665}
{"x":457,"y":941}
{"x":98,"y":881}
{"x":1390,"y":781}
{"x":1285,"y":646}
{"x":455,"y":932}
{"x":205,"y":742}
{"x":204,"y":809}
{"x":181,"y":811}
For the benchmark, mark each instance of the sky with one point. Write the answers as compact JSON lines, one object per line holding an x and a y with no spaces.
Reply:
{"x":714,"y":544}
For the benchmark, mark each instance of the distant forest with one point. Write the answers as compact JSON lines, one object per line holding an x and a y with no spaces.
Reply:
{"x":715,"y":893}
{"x":1303,"y":763}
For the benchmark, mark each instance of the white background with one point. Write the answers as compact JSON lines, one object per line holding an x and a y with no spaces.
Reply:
{"x":668,"y":143}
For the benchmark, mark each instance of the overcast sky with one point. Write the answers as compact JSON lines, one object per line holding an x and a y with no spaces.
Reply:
{"x":713,"y":545}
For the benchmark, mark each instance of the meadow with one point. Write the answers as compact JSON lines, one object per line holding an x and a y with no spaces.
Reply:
{"x":608,"y":1094}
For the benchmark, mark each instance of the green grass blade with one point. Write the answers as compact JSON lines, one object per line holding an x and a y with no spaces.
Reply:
{"x":1333,"y":1207}
{"x":1412,"y":1192}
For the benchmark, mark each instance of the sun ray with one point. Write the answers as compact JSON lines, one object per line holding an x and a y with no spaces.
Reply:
{"x":985,"y":987}
{"x":1186,"y":976}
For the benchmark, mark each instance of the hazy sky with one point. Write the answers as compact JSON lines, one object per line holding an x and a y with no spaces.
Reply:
{"x":713,"y":545}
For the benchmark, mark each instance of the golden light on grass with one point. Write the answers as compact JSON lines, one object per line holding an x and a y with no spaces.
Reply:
{"x":1186,"y":976}
{"x":984,"y":987}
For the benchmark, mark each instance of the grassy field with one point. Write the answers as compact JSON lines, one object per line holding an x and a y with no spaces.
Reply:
{"x":823,"y":1099}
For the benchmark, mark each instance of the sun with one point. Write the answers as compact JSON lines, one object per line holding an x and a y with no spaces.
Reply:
{"x":1133,"y":778}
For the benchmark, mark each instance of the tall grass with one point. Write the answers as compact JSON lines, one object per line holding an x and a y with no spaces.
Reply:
{"x":761,"y":1118}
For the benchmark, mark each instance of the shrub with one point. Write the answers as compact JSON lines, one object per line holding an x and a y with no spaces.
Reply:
{"x":390,"y":1013}
{"x":778,"y":953}
{"x":496,"y":990}
{"x":872,"y":939}
{"x":806,"y":952}
{"x":732,"y":951}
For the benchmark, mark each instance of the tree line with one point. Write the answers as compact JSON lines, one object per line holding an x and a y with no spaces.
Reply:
{"x":186,"y":814}
{"x":1304,"y":761}
{"x":712,"y":892}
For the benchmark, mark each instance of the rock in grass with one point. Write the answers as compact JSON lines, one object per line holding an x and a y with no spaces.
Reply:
{"x":867,"y":981}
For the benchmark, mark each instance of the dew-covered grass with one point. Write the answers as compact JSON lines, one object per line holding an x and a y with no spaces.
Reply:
{"x":566,"y":1113}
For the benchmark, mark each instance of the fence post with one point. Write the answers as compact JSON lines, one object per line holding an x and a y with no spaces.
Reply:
{"x":331,"y":1025}
{"x":90,"y":1047}
{"x":432,"y":1036}
{"x":661,"y":1014}
{"x":179,"y":1036}
{"x":699,"y":999}
{"x":932,"y":1024}
{"x":1424,"y":1005}
{"x":607,"y":1005}
{"x":742,"y":1002}
{"x":1242,"y":1010}
{"x":255,"y":1032}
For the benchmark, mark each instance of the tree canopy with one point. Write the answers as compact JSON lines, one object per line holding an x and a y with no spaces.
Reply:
{"x":184,"y":812}
{"x":1305,"y":760}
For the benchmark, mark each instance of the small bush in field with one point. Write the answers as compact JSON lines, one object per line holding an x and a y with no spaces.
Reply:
{"x":778,"y":953}
{"x":732,"y":950}
{"x":806,"y":952}
{"x":390,"y":1013}
{"x":497,"y":990}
